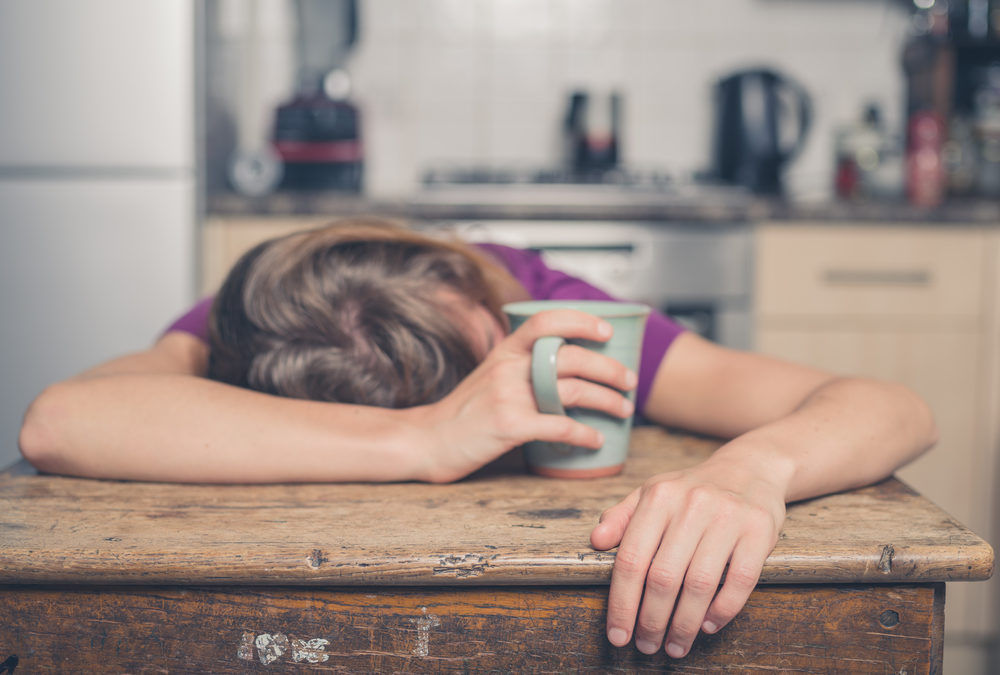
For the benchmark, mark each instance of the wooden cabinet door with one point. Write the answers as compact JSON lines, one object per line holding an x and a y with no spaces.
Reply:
{"x":224,"y":240}
{"x":870,"y":272}
{"x":943,"y":366}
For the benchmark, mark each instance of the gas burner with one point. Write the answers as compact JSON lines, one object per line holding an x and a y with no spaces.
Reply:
{"x":483,"y":176}
{"x":557,"y":188}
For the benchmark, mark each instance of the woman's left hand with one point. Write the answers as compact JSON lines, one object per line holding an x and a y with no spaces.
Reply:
{"x":676,"y":535}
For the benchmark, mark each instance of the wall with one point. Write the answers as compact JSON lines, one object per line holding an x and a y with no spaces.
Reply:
{"x":485,"y":81}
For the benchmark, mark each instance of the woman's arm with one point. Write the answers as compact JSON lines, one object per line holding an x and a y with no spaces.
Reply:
{"x":152,"y":416}
{"x":797,"y":433}
{"x":834,"y":432}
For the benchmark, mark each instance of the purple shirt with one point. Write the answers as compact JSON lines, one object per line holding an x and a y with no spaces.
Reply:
{"x":545,"y":283}
{"x":542,"y":283}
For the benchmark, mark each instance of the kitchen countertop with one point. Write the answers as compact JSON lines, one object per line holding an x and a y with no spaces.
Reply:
{"x":62,"y":530}
{"x":702,"y":208}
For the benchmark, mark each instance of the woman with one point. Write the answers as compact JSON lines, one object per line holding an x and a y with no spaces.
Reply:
{"x":367,"y":352}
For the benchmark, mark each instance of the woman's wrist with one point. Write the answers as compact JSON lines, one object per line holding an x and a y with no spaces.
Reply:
{"x":423,"y":431}
{"x":754,"y":458}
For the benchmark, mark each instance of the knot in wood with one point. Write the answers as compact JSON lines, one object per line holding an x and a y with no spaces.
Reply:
{"x":889,"y":618}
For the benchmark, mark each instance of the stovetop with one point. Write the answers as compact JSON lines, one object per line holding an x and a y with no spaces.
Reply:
{"x":481,"y":175}
{"x":563,"y":186}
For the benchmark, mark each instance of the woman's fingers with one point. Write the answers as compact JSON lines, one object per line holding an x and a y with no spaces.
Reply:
{"x":667,"y":575}
{"x":701,"y":581}
{"x":496,"y":398}
{"x":564,"y":429}
{"x":567,"y":323}
{"x":580,"y":362}
{"x":593,"y":381}
{"x":612,"y":525}
{"x":581,"y":371}
{"x":741,"y":578}
{"x":639,"y":544}
{"x":582,"y":394}
{"x":678,"y":539}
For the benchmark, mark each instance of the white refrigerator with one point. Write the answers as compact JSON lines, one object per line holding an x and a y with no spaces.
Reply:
{"x":98,"y":186}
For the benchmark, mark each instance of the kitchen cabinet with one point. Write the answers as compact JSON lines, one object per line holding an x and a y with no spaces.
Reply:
{"x":916,"y":304}
{"x":992,"y":406}
{"x":224,"y":240}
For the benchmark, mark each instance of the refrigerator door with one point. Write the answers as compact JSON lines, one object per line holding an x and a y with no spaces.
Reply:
{"x":101,"y":84}
{"x":97,"y":186}
{"x":89,"y":269}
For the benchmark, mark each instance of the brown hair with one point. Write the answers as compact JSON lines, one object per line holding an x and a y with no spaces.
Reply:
{"x":351,"y":312}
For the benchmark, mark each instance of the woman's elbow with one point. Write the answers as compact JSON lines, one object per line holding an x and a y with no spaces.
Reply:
{"x":920,"y":419}
{"x":932,"y":435}
{"x":39,"y":439}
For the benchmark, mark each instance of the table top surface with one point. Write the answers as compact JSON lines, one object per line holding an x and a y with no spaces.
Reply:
{"x":499,"y":526}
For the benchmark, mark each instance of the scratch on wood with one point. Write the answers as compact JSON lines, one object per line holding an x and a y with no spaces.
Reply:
{"x":245,"y":650}
{"x":595,"y":555}
{"x":885,"y":562}
{"x":548,"y":513}
{"x":270,"y":648}
{"x":460,"y":572}
{"x":468,"y":565}
{"x":310,"y":651}
{"x":424,"y":625}
{"x":316,"y":558}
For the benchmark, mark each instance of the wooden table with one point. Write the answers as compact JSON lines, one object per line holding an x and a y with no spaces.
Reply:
{"x":493,"y":574}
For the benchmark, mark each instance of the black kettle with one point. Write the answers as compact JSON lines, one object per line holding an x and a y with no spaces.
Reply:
{"x":761,"y":123}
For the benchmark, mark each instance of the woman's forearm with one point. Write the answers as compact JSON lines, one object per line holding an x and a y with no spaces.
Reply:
{"x":151,"y":416}
{"x":174,"y":427}
{"x":849,"y":432}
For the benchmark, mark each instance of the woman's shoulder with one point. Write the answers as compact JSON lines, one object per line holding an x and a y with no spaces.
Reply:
{"x":194,"y":321}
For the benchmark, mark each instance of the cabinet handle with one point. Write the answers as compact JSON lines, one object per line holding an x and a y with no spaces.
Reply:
{"x":875,"y":277}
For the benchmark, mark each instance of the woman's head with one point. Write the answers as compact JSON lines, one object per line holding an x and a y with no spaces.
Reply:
{"x":361,"y":311}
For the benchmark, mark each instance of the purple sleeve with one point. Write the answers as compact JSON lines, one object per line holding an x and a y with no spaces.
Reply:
{"x":195,"y":321}
{"x":545,"y":283}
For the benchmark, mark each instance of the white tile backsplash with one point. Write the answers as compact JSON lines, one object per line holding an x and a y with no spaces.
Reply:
{"x":481,"y":81}
{"x":451,"y":22}
{"x":519,"y":22}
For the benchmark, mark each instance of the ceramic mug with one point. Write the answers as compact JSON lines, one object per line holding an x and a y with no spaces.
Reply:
{"x":559,"y":460}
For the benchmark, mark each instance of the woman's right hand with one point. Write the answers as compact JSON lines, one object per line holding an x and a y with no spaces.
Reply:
{"x":493,"y":409}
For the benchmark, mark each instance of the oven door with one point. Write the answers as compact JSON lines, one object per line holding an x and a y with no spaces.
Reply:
{"x":615,"y":257}
{"x":698,"y":274}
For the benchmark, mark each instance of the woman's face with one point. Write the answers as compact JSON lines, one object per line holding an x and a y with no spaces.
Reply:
{"x":489,"y":331}
{"x":483,"y":330}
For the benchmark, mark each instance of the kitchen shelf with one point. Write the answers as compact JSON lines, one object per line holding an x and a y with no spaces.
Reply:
{"x":707,"y":211}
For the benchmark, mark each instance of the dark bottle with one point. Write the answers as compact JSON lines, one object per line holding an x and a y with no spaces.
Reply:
{"x":593,"y":128}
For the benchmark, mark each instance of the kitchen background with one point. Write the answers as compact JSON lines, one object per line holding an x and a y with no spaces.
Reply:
{"x":484,"y":83}
{"x":145,"y":145}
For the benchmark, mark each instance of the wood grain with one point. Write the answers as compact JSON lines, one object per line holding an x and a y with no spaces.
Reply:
{"x":501,"y":526}
{"x":802,"y":629}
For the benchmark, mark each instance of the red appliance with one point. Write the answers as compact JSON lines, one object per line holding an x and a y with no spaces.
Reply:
{"x":319,"y":141}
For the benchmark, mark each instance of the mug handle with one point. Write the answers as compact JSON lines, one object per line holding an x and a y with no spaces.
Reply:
{"x":543,"y":374}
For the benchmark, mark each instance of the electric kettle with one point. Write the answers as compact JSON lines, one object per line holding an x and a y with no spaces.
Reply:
{"x":761,"y":122}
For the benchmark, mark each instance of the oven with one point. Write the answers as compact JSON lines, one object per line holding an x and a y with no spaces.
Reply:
{"x":698,"y":273}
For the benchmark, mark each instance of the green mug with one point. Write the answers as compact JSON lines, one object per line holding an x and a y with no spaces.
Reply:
{"x":559,"y":460}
